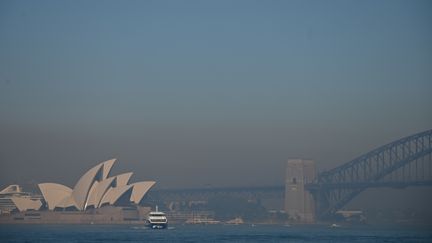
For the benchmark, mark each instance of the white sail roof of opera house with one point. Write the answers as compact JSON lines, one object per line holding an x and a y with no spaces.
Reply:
{"x":95,"y":189}
{"x":54,"y":193}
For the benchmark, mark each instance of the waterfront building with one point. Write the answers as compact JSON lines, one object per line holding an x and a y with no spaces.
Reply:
{"x":97,"y":197}
{"x":94,"y":190}
{"x":13,"y":198}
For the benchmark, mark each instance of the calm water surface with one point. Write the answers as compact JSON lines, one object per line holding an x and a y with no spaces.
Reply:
{"x":209,"y":233}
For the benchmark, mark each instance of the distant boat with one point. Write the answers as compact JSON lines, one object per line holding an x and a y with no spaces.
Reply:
{"x":157,"y":220}
{"x":335,"y":226}
{"x":204,"y":221}
{"x":236,"y":221}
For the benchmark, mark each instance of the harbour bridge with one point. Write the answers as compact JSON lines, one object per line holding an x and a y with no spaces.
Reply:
{"x":402,"y":163}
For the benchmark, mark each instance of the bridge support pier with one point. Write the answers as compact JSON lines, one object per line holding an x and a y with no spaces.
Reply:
{"x":299,"y":203}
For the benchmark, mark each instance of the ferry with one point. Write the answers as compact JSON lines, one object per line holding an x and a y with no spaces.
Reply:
{"x":157,"y":220}
{"x":335,"y":226}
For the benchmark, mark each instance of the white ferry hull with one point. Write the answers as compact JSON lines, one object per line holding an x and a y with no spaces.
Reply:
{"x":157,"y":225}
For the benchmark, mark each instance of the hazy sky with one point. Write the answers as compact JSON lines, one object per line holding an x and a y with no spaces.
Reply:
{"x":196,"y":93}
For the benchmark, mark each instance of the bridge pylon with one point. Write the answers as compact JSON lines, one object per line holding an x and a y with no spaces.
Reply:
{"x":299,"y":202}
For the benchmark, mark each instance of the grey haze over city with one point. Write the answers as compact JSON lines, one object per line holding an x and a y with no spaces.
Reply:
{"x":207,"y":93}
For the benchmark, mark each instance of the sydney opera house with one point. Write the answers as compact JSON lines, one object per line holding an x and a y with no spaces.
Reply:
{"x":97,"y":197}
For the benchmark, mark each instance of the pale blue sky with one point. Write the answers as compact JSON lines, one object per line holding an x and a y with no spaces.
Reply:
{"x":200,"y":87}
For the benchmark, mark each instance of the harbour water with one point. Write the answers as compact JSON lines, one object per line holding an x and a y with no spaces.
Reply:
{"x":210,"y":233}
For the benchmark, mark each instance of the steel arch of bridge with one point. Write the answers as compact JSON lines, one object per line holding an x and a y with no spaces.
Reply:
{"x":335,"y":188}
